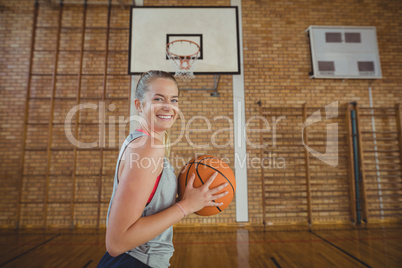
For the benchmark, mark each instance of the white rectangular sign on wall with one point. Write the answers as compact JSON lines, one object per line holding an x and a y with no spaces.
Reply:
{"x":344,"y":52}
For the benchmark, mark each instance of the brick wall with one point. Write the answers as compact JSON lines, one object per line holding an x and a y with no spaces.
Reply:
{"x":276,"y":66}
{"x":15,"y":22}
{"x":66,"y":187}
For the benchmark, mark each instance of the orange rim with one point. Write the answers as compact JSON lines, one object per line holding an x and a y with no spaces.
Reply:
{"x":182,"y":56}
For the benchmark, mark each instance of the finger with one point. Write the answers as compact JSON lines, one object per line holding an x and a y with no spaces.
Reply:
{"x":191,"y":180}
{"x":217,"y":196}
{"x":214,"y":204}
{"x":211,"y":179}
{"x":219,"y":188}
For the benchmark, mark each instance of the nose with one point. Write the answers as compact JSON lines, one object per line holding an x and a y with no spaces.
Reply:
{"x":166,"y":106}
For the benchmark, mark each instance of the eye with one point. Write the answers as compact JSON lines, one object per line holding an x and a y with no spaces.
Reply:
{"x":158,"y":99}
{"x":175,"y":100}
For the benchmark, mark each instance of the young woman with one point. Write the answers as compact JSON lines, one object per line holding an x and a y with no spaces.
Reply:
{"x":143,"y":205}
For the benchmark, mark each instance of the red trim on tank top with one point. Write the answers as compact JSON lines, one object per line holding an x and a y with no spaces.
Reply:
{"x":155,"y":187}
{"x":143,"y":131}
{"x":157,"y":179}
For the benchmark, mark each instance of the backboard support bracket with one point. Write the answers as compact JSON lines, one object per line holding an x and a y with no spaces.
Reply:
{"x":217,"y":78}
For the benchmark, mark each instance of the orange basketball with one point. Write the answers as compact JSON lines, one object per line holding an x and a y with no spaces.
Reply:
{"x":203,"y":167}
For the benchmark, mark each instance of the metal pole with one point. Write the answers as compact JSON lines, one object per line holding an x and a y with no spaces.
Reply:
{"x":351,"y":162}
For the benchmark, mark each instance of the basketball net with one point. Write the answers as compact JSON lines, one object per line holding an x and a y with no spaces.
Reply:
{"x":183,"y":55}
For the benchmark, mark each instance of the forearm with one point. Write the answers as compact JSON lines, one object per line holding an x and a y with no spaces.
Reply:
{"x":145,"y":229}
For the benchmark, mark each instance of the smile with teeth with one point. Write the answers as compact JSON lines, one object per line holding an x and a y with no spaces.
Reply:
{"x":165,"y":117}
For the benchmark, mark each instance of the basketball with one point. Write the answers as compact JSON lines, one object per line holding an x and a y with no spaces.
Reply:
{"x":203,"y":167}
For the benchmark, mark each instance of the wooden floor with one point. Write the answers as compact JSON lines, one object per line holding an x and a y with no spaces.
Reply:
{"x":322,"y":246}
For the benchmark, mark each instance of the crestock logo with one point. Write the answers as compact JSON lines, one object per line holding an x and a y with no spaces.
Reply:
{"x":330,"y":156}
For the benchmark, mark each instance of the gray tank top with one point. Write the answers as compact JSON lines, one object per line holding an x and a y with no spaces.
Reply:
{"x":158,"y":251}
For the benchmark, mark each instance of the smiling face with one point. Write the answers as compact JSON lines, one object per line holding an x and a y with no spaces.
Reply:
{"x":159,"y":106}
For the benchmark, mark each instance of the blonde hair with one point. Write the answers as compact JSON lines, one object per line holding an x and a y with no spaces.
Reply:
{"x":143,"y":86}
{"x":147,"y":78}
{"x":166,"y":142}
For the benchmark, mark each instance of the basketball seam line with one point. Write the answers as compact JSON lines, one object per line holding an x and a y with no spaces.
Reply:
{"x":221,"y":174}
{"x":196,"y":169}
{"x":208,"y":157}
{"x":198,"y":174}
{"x":188,"y":170}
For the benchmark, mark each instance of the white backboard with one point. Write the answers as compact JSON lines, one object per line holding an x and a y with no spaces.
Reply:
{"x":215,"y":29}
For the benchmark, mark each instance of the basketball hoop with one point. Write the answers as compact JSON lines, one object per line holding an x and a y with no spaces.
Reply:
{"x":183,"y":55}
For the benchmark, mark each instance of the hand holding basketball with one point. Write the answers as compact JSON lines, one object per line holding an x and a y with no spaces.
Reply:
{"x":206,"y":177}
{"x":194,"y":199}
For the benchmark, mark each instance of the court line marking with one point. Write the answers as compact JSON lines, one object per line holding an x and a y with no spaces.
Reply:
{"x":275,"y":262}
{"x":340,"y":249}
{"x":29,"y":250}
{"x":88,"y":263}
